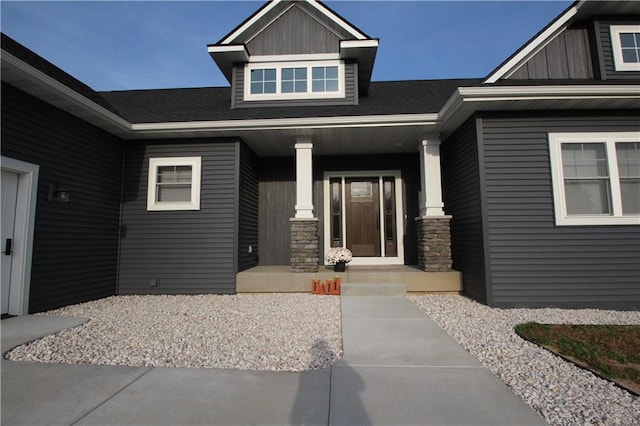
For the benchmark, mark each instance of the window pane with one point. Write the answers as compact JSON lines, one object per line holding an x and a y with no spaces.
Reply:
{"x":173,"y":193}
{"x":332,"y":85}
{"x":287,"y":73}
{"x":270,"y":74}
{"x":332,"y":72}
{"x":627,"y":40}
{"x":629,"y":56}
{"x":301,"y":86}
{"x":270,"y":87}
{"x":318,"y":85}
{"x":317,"y":73}
{"x":584,"y":160}
{"x":256,"y":87}
{"x":628,"y":154}
{"x":301,"y":73}
{"x":287,"y":87}
{"x":174,"y":174}
{"x":587,"y":196}
{"x":257,"y":75}
{"x":630,"y":193}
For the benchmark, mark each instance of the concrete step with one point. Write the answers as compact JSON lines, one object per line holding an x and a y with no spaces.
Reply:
{"x":373,"y":289}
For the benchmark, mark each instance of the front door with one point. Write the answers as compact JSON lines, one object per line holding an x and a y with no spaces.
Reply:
{"x":9,"y":197}
{"x":363,"y":212}
{"x":362,"y":205}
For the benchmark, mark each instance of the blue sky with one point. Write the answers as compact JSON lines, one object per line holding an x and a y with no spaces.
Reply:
{"x":122,"y":45}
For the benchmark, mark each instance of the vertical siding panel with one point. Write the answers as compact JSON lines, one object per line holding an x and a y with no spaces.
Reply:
{"x":533,"y":261}
{"x":75,"y":243}
{"x":461,"y":193}
{"x":186,"y":251}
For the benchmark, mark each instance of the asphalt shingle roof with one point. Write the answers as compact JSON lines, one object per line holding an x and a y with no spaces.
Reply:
{"x":210,"y":104}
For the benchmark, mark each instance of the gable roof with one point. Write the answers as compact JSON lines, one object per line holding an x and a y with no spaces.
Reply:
{"x":353,"y":44}
{"x":580,"y":9}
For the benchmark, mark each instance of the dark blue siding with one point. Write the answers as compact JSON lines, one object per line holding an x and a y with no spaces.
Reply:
{"x":462,"y":199}
{"x":533,"y":261}
{"x":76,"y":243}
{"x":186,"y":251}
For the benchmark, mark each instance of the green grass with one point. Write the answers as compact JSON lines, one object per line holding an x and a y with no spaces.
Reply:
{"x":612,"y":351}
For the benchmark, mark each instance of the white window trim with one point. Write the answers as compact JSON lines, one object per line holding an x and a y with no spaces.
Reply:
{"x":248,"y":96}
{"x":619,"y":63}
{"x":367,"y":261}
{"x":196,"y":167}
{"x":557,"y":176}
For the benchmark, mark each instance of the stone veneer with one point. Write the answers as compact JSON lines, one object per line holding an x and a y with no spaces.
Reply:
{"x":434,"y":243}
{"x":304,"y":245}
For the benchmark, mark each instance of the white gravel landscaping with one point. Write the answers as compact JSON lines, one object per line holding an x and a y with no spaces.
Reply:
{"x":276,"y":332}
{"x":563,"y":393}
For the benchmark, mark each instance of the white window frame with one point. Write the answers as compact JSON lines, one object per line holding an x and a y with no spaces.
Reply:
{"x":619,"y":63}
{"x":196,"y":168}
{"x":609,"y":139}
{"x":309,"y":94}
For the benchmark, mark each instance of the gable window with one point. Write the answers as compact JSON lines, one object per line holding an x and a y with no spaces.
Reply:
{"x":299,"y":80}
{"x":174,"y":183}
{"x":596,"y":178}
{"x":625,"y":41}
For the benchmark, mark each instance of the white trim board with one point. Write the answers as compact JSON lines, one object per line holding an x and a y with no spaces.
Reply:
{"x":23,"y":232}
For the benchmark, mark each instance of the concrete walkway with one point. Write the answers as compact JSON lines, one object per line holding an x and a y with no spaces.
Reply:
{"x":399,"y":368}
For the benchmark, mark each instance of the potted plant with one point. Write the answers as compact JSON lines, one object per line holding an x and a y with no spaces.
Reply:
{"x":339,"y":257}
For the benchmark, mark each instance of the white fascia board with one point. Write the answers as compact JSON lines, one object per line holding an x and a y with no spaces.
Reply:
{"x":250,"y":22}
{"x":350,"y":29}
{"x":227,"y":48}
{"x":295,"y":57}
{"x":534,"y":46}
{"x":352,"y":44}
{"x":291,"y":123}
{"x":71,"y":95}
{"x":518,"y":93}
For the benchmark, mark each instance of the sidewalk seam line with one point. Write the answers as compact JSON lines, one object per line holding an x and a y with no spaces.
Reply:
{"x":112,"y":396}
{"x":412,"y":366}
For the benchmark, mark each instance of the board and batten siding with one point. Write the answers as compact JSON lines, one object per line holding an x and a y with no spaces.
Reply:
{"x":532,"y":261}
{"x":350,"y":90}
{"x":187,"y":252}
{"x":568,"y":56}
{"x":76,"y":243}
{"x":462,"y":198}
{"x":603,"y":35}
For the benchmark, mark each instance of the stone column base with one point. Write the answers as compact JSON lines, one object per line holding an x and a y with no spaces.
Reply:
{"x":304,"y":245}
{"x":434,"y":243}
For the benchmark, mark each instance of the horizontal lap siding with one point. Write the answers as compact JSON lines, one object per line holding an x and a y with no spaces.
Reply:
{"x":186,"y":251}
{"x":248,"y":209}
{"x":75,"y":243}
{"x":533,"y":261}
{"x":461,"y":193}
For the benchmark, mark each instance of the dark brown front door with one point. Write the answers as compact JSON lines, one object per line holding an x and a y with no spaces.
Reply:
{"x":362,"y":208}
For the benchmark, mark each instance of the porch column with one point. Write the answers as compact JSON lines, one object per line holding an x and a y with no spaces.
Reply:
{"x":304,"y":226}
{"x":430,"y":181}
{"x":304,"y":180}
{"x":433,"y":226}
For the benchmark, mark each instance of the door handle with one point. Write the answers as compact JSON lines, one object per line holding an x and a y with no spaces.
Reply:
{"x":7,"y":246}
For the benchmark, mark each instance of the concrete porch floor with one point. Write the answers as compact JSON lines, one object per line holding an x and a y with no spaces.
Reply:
{"x":280,"y":279}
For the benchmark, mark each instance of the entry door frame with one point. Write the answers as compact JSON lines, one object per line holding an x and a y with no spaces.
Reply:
{"x":397,"y":175}
{"x":20,"y":283}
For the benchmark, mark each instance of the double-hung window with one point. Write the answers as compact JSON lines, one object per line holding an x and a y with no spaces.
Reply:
{"x":174,"y":183}
{"x":625,"y":41}
{"x":596,"y":178}
{"x":294,"y":80}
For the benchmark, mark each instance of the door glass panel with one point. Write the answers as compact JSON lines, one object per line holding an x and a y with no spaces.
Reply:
{"x":389,"y":217}
{"x":336,"y":213}
{"x":361,"y":189}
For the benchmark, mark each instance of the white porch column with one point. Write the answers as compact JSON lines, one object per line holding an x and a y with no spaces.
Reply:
{"x":304,"y":180}
{"x":430,"y":181}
